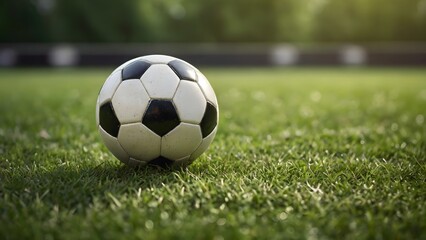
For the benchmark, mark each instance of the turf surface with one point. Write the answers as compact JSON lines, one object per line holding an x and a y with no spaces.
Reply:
{"x":300,"y":154}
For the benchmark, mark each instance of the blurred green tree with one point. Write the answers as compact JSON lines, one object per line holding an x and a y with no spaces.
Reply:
{"x":97,"y":21}
{"x":212,"y":20}
{"x":233,"y":21}
{"x":366,"y":20}
{"x":21,"y":21}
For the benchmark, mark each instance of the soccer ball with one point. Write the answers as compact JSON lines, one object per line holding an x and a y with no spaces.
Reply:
{"x":157,"y":110}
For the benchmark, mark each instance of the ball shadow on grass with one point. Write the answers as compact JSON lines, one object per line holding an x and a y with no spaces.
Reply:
{"x":76,"y":188}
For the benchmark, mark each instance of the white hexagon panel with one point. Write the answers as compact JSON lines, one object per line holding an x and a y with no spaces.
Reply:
{"x":181,"y":141}
{"x":109,"y":87}
{"x":158,"y":59}
{"x":190,"y":102}
{"x":114,"y":146}
{"x":160,"y":81}
{"x":97,"y":113}
{"x":204,"y":145}
{"x":130,"y":101}
{"x":139,"y":142}
{"x":207,"y":88}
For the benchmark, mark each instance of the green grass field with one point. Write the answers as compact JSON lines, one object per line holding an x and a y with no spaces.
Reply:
{"x":301,"y":153}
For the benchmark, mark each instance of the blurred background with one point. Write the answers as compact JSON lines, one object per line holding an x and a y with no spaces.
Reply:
{"x":213,"y":32}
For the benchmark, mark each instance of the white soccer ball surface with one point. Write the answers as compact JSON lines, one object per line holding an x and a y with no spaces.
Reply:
{"x":157,"y":110}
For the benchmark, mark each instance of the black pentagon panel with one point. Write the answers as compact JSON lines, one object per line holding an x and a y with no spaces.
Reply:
{"x":134,"y":70}
{"x":209,"y":121}
{"x":183,"y":70}
{"x":161,"y":117}
{"x":107,"y":119}
{"x":162,"y":162}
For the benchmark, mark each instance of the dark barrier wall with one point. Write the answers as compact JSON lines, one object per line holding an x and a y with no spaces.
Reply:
{"x":214,"y":55}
